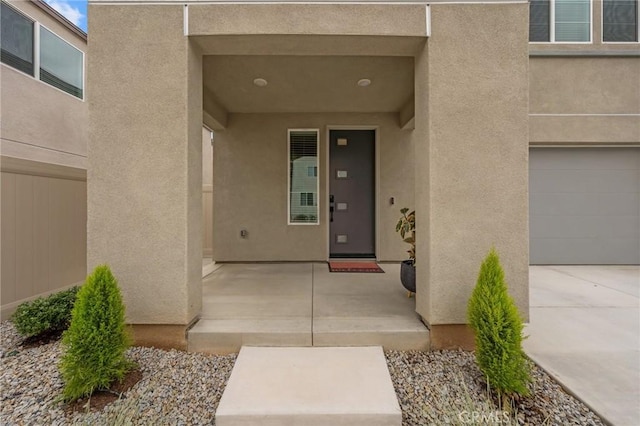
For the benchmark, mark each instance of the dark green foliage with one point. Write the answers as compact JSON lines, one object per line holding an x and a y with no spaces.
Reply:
{"x":95,"y":343}
{"x":494,"y":318}
{"x":45,"y":314}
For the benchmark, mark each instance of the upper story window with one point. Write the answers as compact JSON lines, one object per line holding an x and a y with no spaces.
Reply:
{"x":17,"y":40}
{"x":620,"y":20}
{"x":59,"y":63}
{"x":560,"y":21}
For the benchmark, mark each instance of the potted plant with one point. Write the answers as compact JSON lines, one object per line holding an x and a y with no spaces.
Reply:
{"x":406,"y":226}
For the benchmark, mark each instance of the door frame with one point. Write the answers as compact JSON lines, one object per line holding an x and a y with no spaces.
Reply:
{"x":327,"y":181}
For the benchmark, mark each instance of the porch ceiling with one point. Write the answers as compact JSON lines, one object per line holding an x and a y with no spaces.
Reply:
{"x":308,"y":83}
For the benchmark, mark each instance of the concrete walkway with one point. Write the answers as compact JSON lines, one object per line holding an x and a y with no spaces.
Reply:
{"x":585,"y":331}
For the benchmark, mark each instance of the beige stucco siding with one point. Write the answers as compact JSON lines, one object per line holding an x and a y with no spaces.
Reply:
{"x":250,"y":162}
{"x":145,"y":165}
{"x":306,"y":19}
{"x":590,"y":100}
{"x":474,"y":130}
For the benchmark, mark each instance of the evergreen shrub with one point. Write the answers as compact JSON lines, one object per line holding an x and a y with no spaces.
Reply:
{"x":45,"y":314}
{"x":94,"y":345}
{"x":498,"y":327}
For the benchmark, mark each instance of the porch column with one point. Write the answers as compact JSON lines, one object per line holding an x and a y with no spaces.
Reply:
{"x":471,"y":153}
{"x":145,"y":167}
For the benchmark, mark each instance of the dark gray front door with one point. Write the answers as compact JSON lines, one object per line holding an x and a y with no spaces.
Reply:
{"x":352,"y":193}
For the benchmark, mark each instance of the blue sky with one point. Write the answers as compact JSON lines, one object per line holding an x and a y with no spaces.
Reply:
{"x":74,"y":10}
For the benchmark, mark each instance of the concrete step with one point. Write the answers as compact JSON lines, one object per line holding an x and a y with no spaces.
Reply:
{"x":221,"y":336}
{"x":309,"y":387}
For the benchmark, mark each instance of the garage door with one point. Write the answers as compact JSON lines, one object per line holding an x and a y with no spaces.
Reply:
{"x":584,"y":205}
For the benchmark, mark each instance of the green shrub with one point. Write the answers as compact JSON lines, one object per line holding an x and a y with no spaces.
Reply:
{"x":95,"y":343}
{"x":45,"y":314}
{"x":494,"y":318}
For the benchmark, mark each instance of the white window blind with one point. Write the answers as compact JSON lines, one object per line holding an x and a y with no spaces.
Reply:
{"x":573,"y":20}
{"x":566,"y":21}
{"x":303,"y":176}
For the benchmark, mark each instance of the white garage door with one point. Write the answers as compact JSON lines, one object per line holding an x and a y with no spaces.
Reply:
{"x":584,"y":205}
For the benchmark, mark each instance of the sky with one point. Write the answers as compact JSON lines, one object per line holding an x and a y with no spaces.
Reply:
{"x":74,"y":10}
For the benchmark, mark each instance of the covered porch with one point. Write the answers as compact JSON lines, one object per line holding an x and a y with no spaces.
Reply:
{"x":303,"y":304}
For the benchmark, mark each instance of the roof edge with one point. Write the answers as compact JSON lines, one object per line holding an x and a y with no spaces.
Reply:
{"x":60,"y":18}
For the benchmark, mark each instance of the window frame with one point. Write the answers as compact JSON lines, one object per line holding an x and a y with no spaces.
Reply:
{"x":35,"y":59}
{"x":620,"y":42}
{"x":288,"y":189}
{"x":71,"y":45}
{"x":36,"y":55}
{"x":552,"y":27}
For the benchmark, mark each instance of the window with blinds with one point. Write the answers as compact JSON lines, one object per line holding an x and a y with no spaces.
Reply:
{"x":303,"y":177}
{"x":17,"y":40}
{"x":620,"y":20}
{"x":565,"y":21}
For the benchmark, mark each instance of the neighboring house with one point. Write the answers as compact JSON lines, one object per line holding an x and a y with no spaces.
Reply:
{"x":44,"y":133}
{"x":507,"y":124}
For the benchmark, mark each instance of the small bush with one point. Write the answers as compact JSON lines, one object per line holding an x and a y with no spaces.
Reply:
{"x":494,"y":318}
{"x":45,"y":314}
{"x":95,"y":343}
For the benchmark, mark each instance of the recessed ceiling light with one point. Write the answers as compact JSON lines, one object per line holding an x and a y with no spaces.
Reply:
{"x":260,"y":82}
{"x":364,"y":82}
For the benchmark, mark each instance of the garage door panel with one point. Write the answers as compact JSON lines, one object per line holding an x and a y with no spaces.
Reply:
{"x":585,"y":227}
{"x":570,"y":180}
{"x":581,"y":251}
{"x":589,"y":159}
{"x":584,"y":206}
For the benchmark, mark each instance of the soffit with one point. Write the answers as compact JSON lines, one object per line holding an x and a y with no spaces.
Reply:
{"x":309,"y":83}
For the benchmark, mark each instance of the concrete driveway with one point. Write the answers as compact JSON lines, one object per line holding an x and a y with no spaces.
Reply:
{"x":585,"y":331}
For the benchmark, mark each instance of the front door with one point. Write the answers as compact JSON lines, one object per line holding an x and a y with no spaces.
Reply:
{"x":352,"y":193}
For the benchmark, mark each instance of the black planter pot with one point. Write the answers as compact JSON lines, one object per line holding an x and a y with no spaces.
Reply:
{"x":408,"y":275}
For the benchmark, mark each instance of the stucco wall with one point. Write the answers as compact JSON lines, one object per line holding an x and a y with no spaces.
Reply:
{"x":145,"y":165}
{"x":250,"y":162}
{"x":40,"y":122}
{"x":584,"y":100}
{"x":472,"y":128}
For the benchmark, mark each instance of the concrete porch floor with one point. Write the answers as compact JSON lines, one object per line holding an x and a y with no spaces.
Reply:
{"x":303,"y":304}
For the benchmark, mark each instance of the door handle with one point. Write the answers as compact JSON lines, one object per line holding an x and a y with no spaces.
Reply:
{"x":331,"y":205}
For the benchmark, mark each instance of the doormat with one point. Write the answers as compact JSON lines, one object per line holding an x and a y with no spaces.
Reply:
{"x":355,"y":267}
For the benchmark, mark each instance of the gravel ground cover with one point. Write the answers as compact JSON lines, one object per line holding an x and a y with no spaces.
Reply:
{"x":179,"y":388}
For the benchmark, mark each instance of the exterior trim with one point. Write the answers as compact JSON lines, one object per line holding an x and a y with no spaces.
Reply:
{"x":534,"y":145}
{"x":254,"y":2}
{"x":60,"y":18}
{"x":36,"y":168}
{"x":582,"y":115}
{"x":585,"y":53}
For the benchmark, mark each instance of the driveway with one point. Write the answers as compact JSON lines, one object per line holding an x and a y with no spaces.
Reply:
{"x":585,"y":331}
